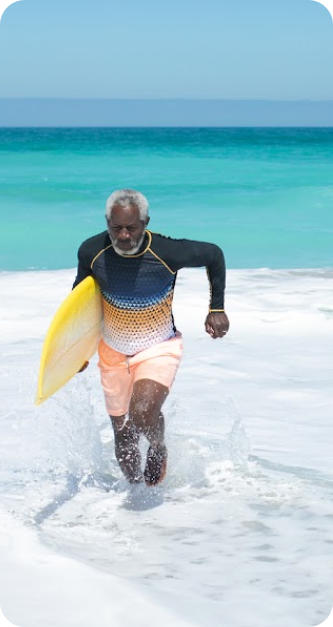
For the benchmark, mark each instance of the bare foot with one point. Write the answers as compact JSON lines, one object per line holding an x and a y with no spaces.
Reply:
{"x":127,"y":449}
{"x":156,"y":465}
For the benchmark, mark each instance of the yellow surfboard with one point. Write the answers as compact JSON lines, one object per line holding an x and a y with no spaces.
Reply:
{"x":72,"y":338}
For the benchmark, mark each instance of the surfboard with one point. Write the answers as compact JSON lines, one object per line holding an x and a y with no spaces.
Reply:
{"x":71,"y":339}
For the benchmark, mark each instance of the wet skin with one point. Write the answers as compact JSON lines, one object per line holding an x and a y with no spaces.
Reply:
{"x":144,"y":418}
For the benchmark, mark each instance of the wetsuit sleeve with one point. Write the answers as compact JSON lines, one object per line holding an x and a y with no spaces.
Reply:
{"x":83,"y":268}
{"x":184,"y":253}
{"x":86,"y":254}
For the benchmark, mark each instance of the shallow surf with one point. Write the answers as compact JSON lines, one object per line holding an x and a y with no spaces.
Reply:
{"x":239,"y":532}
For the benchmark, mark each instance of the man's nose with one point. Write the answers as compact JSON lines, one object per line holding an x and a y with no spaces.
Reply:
{"x":124,"y":234}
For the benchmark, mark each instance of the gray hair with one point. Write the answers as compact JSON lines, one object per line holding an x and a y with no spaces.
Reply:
{"x":125,"y":197}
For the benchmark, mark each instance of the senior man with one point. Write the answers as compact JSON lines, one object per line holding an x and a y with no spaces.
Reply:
{"x":140,"y":349}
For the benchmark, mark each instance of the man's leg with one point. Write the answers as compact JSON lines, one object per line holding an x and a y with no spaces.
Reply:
{"x":146,"y":416}
{"x":126,"y":440}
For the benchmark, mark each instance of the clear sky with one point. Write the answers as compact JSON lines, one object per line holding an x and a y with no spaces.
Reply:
{"x":231,"y":49}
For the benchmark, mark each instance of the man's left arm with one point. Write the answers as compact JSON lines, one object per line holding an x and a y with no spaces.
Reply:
{"x":191,"y":254}
{"x":217,"y":322}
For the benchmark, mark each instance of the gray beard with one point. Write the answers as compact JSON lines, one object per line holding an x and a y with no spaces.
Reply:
{"x":131,"y":251}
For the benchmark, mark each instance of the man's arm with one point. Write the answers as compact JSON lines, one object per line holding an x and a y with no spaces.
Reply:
{"x":186,"y":253}
{"x":83,"y":268}
{"x":86,"y":254}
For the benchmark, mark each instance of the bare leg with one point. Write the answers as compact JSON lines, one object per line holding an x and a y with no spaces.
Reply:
{"x":145,"y":414}
{"x":126,"y":439}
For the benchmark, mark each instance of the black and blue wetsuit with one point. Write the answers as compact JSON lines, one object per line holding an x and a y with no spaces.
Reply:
{"x":137,"y":290}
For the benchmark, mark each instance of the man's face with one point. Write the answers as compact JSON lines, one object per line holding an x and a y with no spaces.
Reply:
{"x":126,"y":230}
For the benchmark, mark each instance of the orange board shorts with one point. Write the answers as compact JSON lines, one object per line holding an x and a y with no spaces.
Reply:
{"x":119,"y":372}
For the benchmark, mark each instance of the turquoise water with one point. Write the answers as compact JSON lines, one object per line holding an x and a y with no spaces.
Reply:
{"x":264,"y":195}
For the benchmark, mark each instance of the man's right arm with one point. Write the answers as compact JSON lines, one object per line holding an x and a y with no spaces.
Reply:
{"x":86,"y":254}
{"x":83,"y":268}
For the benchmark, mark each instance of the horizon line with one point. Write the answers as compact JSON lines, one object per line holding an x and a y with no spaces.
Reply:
{"x":181,"y":99}
{"x":168,"y":127}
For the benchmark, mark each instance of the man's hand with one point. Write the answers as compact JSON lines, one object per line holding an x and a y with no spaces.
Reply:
{"x":85,"y":365}
{"x":217,"y":324}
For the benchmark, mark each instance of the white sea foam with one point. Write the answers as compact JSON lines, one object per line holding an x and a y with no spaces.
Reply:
{"x":240,"y":531}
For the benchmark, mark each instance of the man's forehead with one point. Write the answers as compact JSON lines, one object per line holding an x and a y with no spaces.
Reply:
{"x":124,"y":215}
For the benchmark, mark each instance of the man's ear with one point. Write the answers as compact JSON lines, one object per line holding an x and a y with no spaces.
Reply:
{"x":147,"y":219}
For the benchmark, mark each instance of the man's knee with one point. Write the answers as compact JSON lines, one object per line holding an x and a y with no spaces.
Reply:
{"x":147,"y":400}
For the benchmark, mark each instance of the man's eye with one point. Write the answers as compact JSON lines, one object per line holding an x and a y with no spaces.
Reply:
{"x":130,"y":229}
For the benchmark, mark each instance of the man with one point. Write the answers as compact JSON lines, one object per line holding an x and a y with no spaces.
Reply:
{"x":140,"y":348}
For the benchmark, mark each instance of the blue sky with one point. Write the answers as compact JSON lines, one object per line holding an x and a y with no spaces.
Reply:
{"x":177,"y":49}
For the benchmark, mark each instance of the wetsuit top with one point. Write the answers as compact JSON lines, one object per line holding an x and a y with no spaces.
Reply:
{"x":137,"y":290}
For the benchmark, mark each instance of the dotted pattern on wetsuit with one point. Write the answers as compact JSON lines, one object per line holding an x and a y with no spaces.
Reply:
{"x":138,"y":327}
{"x":137,"y":300}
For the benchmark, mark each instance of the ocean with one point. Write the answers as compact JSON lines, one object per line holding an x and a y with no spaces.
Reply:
{"x":265,"y":195}
{"x":240,"y":532}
